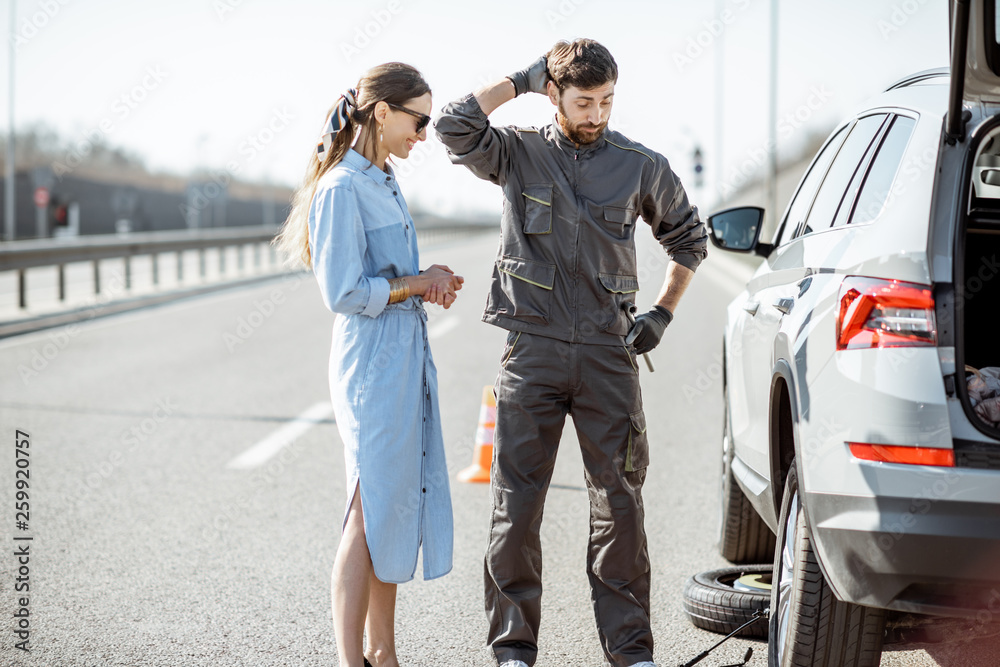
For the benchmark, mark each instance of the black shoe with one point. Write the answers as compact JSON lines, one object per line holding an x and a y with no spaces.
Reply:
{"x":367,"y":664}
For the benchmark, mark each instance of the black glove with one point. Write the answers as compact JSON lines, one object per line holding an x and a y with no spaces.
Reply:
{"x":532,"y":79}
{"x":648,"y":329}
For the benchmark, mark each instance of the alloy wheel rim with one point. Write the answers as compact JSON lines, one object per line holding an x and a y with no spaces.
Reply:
{"x":786,"y":576}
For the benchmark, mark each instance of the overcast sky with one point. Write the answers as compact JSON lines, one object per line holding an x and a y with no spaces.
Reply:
{"x":243,"y":85}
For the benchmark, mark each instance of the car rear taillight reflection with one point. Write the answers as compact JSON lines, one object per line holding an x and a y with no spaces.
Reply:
{"x":885,"y":313}
{"x":926,"y":456}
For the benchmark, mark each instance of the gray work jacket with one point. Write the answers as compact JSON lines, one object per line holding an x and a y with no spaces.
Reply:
{"x":566,"y":260}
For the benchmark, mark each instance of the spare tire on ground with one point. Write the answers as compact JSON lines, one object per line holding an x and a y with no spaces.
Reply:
{"x":723,"y":600}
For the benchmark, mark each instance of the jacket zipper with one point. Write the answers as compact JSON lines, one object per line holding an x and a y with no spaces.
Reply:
{"x":576,"y":246}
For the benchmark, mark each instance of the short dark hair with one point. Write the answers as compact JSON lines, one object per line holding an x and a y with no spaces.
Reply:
{"x":582,"y":63}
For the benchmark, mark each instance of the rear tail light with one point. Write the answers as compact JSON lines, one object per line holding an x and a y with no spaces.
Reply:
{"x":885,"y":313}
{"x":925,"y":456}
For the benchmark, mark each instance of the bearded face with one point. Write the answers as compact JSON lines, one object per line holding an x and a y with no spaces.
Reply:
{"x":583,"y":114}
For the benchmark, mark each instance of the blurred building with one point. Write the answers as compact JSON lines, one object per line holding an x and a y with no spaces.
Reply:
{"x":108,"y":206}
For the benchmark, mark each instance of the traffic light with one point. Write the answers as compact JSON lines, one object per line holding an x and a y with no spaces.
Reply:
{"x":699,"y":168}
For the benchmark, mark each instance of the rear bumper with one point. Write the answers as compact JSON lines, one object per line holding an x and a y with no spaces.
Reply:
{"x":934,"y":553}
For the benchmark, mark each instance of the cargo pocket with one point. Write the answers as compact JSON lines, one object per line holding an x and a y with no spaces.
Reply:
{"x":528,"y":288}
{"x":508,"y":349}
{"x":618,"y":221}
{"x":620,"y":289}
{"x":537,"y":209}
{"x":637,"y":454}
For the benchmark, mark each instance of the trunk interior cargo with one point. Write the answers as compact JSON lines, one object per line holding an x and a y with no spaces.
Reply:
{"x":978,"y":300}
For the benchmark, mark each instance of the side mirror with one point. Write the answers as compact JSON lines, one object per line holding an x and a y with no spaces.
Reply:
{"x":737,"y":229}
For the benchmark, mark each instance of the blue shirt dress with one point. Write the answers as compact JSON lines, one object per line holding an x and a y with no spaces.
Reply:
{"x":383,"y":382}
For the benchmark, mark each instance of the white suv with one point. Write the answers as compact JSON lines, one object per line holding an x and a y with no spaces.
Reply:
{"x":851,"y":452}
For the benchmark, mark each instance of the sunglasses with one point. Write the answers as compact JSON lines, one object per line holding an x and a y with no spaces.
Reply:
{"x":422,"y":119}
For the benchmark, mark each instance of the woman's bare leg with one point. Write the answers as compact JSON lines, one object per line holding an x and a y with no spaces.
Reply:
{"x":350,"y":587}
{"x":381,"y":624}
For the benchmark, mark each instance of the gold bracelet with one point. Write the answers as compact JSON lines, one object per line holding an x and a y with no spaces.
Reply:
{"x":399,"y":290}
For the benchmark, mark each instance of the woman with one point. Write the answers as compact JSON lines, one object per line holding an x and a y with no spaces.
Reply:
{"x":349,"y":221}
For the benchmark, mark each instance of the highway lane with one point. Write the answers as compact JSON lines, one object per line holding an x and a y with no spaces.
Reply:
{"x":151,"y":548}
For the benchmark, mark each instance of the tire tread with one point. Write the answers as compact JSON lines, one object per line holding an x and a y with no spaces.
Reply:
{"x":712,"y":607}
{"x":826,"y":632}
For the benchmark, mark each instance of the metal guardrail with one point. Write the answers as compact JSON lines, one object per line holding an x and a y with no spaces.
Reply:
{"x":23,"y":255}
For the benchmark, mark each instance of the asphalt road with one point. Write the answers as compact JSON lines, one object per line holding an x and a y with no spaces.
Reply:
{"x":150,"y":548}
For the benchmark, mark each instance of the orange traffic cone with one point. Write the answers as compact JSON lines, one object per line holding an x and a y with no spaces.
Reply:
{"x":482,"y":459}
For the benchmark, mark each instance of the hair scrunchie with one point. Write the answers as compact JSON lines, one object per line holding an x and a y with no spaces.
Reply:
{"x":347,"y":103}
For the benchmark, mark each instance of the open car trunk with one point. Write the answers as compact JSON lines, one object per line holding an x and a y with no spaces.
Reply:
{"x":978,"y":301}
{"x":976,"y":94}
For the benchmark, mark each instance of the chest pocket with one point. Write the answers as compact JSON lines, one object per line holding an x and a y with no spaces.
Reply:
{"x":537,"y":209}
{"x":618,"y":221}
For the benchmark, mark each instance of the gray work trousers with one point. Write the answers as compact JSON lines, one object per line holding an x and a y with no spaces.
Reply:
{"x":541,"y":380}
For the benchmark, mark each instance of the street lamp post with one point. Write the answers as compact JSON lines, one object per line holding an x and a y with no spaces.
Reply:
{"x":715,"y":170}
{"x":772,"y":121}
{"x":9,"y":225}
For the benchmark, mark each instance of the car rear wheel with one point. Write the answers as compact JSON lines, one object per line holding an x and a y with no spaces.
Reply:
{"x":743,"y":535}
{"x":808,"y":624}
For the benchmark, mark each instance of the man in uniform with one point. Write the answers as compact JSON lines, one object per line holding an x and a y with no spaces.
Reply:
{"x":566,"y":265}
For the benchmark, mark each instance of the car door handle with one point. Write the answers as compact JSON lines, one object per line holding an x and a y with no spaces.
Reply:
{"x":751,"y":307}
{"x":784,"y":304}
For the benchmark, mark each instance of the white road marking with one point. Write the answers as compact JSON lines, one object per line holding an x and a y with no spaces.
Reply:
{"x":266,"y":449}
{"x":263,"y":451}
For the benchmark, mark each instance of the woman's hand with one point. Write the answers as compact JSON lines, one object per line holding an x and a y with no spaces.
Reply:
{"x":441,"y":285}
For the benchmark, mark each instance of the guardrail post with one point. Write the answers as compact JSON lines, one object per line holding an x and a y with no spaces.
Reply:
{"x":180,"y":265}
{"x":256,"y":256}
{"x":222,"y":260}
{"x":201,"y":262}
{"x":97,"y":276}
{"x":128,"y":272}
{"x":156,"y":268}
{"x":239,"y":257}
{"x":62,"y":282}
{"x":22,"y":297}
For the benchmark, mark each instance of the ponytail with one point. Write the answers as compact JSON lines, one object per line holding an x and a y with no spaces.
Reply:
{"x":391,"y":82}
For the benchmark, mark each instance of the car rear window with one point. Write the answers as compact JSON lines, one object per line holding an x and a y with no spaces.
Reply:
{"x":851,"y":154}
{"x":877,"y":190}
{"x":799,"y":206}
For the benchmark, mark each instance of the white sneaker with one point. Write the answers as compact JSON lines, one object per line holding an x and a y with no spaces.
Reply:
{"x":644,"y":664}
{"x":514,"y":663}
